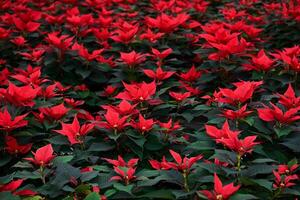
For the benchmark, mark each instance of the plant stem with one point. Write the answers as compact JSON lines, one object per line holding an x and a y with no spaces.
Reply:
{"x":277,"y":193}
{"x":238,"y":166}
{"x":237,"y":124}
{"x":166,"y":137}
{"x":185,"y":179}
{"x":141,"y":105}
{"x":82,"y":146}
{"x":43,"y":177}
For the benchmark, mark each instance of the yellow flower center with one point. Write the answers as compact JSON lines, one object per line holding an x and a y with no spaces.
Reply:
{"x":219,"y":197}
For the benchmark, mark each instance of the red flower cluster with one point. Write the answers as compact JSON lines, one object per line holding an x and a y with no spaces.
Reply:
{"x":230,"y":139}
{"x":220,"y":191}
{"x":160,"y":99}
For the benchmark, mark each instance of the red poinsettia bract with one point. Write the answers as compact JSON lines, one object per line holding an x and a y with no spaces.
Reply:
{"x":261,"y":62}
{"x":289,"y":99}
{"x":182,"y":164}
{"x":218,"y":134}
{"x":159,"y":74}
{"x":74,"y":131}
{"x":240,"y":146}
{"x":13,"y":147}
{"x":166,"y":23}
{"x":125,"y":174}
{"x":242,"y":93}
{"x":120,"y":162}
{"x":143,"y":125}
{"x":276,"y":114}
{"x":55,"y":112}
{"x":138,"y":92}
{"x":220,"y":192}
{"x":43,"y":156}
{"x":13,"y":188}
{"x":236,"y":114}
{"x":114,"y":121}
{"x":8,"y":123}
{"x":124,"y":170}
{"x":21,"y":96}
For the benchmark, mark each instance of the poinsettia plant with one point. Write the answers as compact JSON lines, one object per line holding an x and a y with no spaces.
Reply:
{"x":160,"y":99}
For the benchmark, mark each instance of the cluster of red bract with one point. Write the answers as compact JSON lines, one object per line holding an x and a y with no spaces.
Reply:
{"x":159,"y":99}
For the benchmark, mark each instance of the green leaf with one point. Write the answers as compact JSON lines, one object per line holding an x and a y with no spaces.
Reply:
{"x":84,"y":94}
{"x":59,"y":140}
{"x":261,"y":127}
{"x":164,"y":106}
{"x":161,"y":91}
{"x":216,"y":120}
{"x":63,"y":174}
{"x":82,"y":188}
{"x":293,"y":143}
{"x":68,"y":198}
{"x":92,"y":196}
{"x":84,"y":73}
{"x":210,"y":167}
{"x":202,"y":145}
{"x":249,"y":120}
{"x":293,"y":162}
{"x":226,"y":156}
{"x":101,"y":168}
{"x":34,"y":198}
{"x":68,"y":188}
{"x":6,"y":179}
{"x":264,"y":183}
{"x":23,"y":165}
{"x":274,"y":151}
{"x":8,"y":196}
{"x":140,"y":141}
{"x":27,"y":175}
{"x":110,"y":193}
{"x":153,"y":143}
{"x":254,"y":182}
{"x":63,"y":159}
{"x":254,"y":170}
{"x":292,"y":191}
{"x":187,"y":116}
{"x":263,"y":160}
{"x":151,"y":182}
{"x":104,"y":67}
{"x":158,"y":194}
{"x":181,"y":194}
{"x":202,"y":107}
{"x":4,"y":159}
{"x":147,"y":173}
{"x":87,"y":176}
{"x":243,"y":196}
{"x":101,"y":147}
{"x":284,"y":131}
{"x":123,"y":188}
